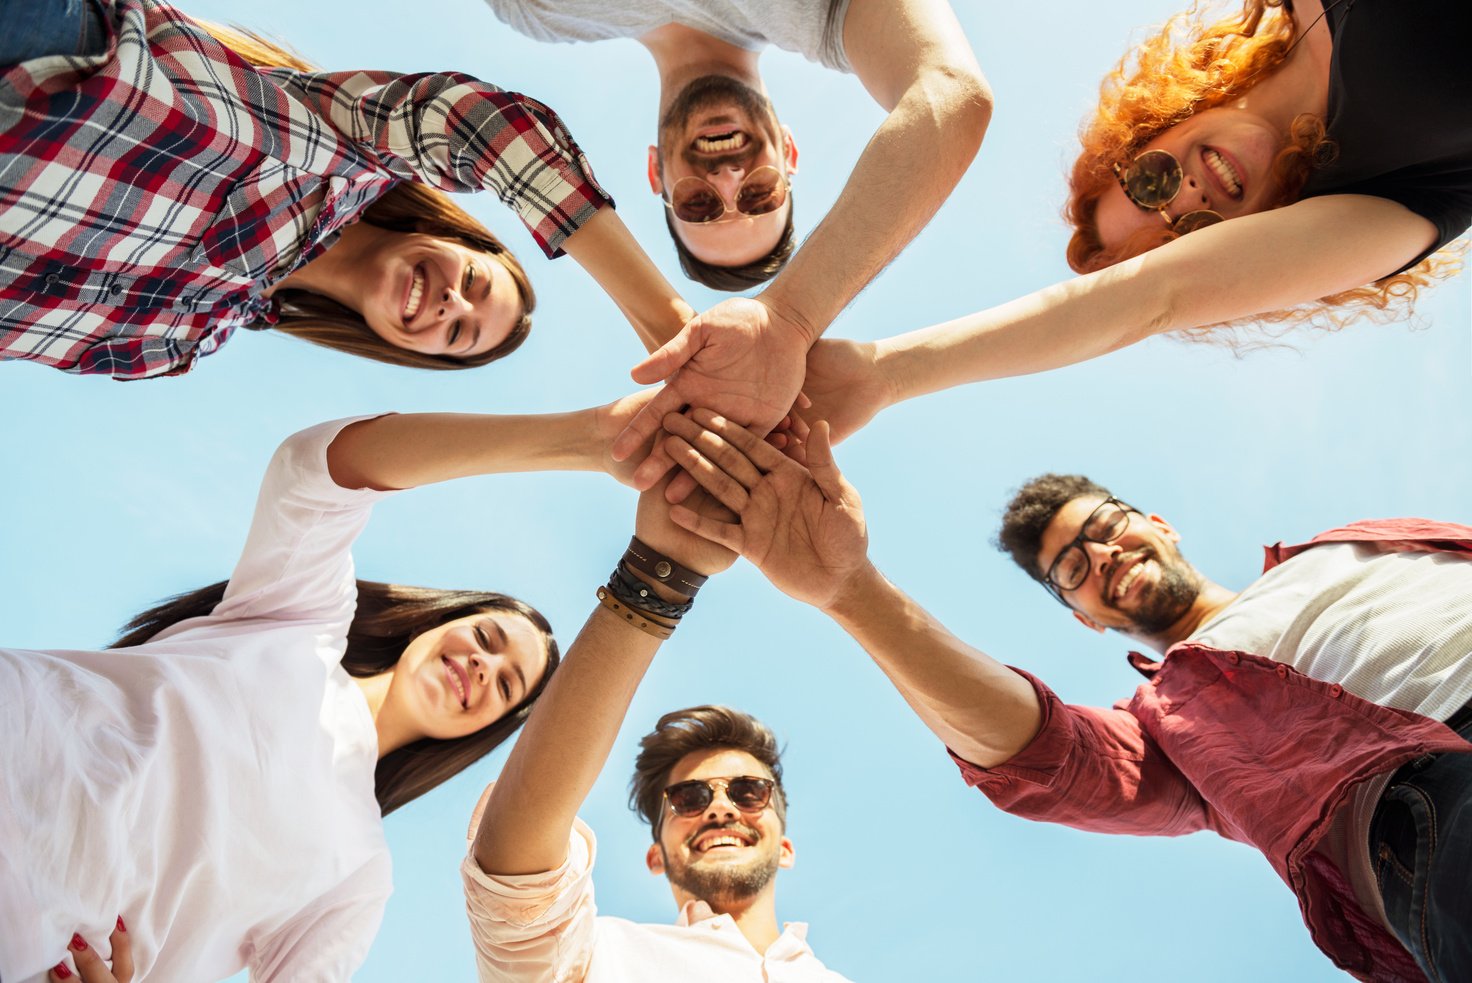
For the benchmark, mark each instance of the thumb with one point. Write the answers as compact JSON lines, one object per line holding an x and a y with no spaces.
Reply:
{"x":821,"y":464}
{"x":664,"y":361}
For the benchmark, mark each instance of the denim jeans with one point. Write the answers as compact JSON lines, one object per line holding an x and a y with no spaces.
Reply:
{"x":1421,"y":848}
{"x":33,"y":28}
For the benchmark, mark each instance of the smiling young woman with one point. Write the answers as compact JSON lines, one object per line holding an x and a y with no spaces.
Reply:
{"x":169,"y":182}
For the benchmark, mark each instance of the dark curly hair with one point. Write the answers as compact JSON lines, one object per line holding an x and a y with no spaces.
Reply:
{"x":1032,"y":508}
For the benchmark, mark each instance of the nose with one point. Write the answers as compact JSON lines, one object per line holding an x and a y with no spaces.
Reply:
{"x":1101,"y":555}
{"x":478,"y":669}
{"x":721,"y":806}
{"x":726,"y":179}
{"x":452,"y":305}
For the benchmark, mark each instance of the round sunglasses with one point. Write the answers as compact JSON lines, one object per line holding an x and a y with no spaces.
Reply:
{"x":747,"y":793}
{"x":696,"y":201}
{"x":1152,"y":181}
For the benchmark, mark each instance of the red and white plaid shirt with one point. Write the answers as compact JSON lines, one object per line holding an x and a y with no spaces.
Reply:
{"x":150,"y":195}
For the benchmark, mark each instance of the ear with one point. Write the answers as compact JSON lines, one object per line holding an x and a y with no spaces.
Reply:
{"x":656,"y":183}
{"x":1166,"y":529}
{"x":789,"y":149}
{"x":1088,"y":622}
{"x":786,"y":854}
{"x":654,"y":859}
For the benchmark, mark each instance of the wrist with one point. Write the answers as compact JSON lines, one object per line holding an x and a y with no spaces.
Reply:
{"x":889,"y":369}
{"x":855,"y":593}
{"x":796,"y":315}
{"x":661,"y":590}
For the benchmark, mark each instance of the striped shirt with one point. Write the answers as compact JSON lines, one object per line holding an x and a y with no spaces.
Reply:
{"x":151,"y":194}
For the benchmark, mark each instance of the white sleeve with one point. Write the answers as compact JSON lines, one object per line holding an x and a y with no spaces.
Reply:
{"x":328,"y":940}
{"x":534,"y":928}
{"x":297,"y":563}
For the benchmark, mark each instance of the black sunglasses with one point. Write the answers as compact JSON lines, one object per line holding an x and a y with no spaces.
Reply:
{"x":747,"y":793}
{"x":1152,"y":181}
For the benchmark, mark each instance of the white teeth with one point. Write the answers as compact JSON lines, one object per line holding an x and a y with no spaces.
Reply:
{"x":455,"y":681}
{"x":716,"y":841}
{"x":721,"y":144}
{"x":1224,"y":171}
{"x":416,"y":294}
{"x":1127,"y":580}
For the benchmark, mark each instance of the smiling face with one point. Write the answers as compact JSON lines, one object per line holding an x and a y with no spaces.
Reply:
{"x":1226,"y":157}
{"x":467,"y":674}
{"x":1139,"y":584}
{"x":722,"y":855}
{"x":720,"y":130}
{"x":434,"y":295}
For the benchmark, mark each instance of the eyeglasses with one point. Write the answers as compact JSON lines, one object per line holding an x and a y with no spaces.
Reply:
{"x":747,"y":793}
{"x":696,"y":201}
{"x":1070,"y":568}
{"x":1152,"y":181}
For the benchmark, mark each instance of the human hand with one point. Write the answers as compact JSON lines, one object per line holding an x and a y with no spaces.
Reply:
{"x":742,"y":359}
{"x":845,"y":385}
{"x":652,"y":524}
{"x":91,"y":968}
{"x":801,"y":525}
{"x":609,"y":420}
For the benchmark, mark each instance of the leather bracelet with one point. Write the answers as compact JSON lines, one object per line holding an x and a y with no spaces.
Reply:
{"x":638,"y":595}
{"x":654,"y":564}
{"x":637,"y":619}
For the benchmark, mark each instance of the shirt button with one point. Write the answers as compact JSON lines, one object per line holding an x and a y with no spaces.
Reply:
{"x":1233,"y":658}
{"x":1335,"y":691}
{"x":51,"y":278}
{"x":1282,"y":671}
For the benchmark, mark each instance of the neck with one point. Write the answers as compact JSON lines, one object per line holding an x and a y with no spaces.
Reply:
{"x":756,"y":916}
{"x":331,"y":273}
{"x":1208,"y":604}
{"x":1301,"y":83}
{"x":683,"y":53}
{"x":392,"y":735}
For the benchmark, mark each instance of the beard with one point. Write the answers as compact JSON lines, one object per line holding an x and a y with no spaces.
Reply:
{"x":725,"y":885}
{"x":1166,"y":601}
{"x":713,"y":92}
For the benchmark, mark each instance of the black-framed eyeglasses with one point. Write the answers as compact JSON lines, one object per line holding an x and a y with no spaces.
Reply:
{"x":1152,"y":181}
{"x":747,"y":793}
{"x":1070,"y":568}
{"x":696,"y":201}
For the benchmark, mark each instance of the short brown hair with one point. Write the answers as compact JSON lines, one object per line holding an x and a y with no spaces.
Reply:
{"x":683,"y":732}
{"x":733,"y":278}
{"x":1032,"y":508}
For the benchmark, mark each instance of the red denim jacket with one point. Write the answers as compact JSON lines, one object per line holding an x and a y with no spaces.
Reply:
{"x":1206,"y":743}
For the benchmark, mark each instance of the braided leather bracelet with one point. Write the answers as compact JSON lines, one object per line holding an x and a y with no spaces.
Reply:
{"x":638,"y":595}
{"x":655,"y":564}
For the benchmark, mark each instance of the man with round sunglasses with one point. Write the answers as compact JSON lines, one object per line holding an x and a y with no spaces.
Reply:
{"x":1320,"y":715}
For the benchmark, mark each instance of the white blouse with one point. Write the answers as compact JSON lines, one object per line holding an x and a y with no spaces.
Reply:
{"x":214,"y":785}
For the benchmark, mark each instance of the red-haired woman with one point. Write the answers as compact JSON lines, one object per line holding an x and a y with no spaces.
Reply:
{"x":1292,"y":164}
{"x":218,"y":777}
{"x":164,"y":183}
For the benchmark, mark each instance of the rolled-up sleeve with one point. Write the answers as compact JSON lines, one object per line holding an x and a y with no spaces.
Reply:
{"x":458,"y":133}
{"x":534,"y":927}
{"x":1093,"y":769}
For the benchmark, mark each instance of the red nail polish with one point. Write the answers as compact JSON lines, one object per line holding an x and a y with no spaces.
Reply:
{"x":121,"y":926}
{"x":62,"y":973}
{"x":78,"y":943}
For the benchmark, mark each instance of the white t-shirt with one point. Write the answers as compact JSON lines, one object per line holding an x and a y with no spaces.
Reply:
{"x":214,"y":785}
{"x":812,"y":28}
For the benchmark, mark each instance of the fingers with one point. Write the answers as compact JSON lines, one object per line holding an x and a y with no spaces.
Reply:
{"x":643,"y":426}
{"x":653,"y":468}
{"x":763,"y":456}
{"x":680,"y":486}
{"x":663,"y":362}
{"x":722,"y":486}
{"x":727,"y":534}
{"x":122,"y":953}
{"x":716,"y":450}
{"x":90,"y":967}
{"x":821,"y":464}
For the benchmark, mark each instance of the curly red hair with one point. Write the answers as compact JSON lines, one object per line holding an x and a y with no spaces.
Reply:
{"x":1188,"y":66}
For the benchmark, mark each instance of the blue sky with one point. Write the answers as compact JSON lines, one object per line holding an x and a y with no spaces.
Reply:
{"x":124,"y":493}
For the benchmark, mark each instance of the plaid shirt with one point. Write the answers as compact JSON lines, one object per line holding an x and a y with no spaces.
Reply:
{"x":151,"y":194}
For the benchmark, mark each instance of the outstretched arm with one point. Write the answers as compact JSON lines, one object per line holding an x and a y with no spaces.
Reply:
{"x":803,"y":527}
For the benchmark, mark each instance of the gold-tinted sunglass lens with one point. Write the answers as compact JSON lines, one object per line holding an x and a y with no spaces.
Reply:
{"x":1153,"y":179}
{"x":1191,"y":221}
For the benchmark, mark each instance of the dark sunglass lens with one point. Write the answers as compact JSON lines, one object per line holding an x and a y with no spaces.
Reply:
{"x":1191,"y":221}
{"x":1153,"y":179}
{"x":688,"y":798}
{"x":761,"y":193}
{"x":695,"y":201}
{"x":749,"y":794}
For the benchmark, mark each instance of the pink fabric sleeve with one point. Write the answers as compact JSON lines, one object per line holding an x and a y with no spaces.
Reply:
{"x":1093,"y":769}
{"x":534,"y":927}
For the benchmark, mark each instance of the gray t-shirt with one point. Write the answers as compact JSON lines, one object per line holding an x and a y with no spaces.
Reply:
{"x":812,"y":28}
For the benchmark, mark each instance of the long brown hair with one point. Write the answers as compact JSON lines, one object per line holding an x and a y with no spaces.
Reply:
{"x":1189,"y":66}
{"x":388,"y":618}
{"x":406,"y":207}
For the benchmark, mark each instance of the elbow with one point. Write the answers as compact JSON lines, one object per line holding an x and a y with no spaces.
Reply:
{"x":970,"y":100}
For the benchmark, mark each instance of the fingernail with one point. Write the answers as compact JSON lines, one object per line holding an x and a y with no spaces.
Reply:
{"x":62,"y":973}
{"x":78,"y":943}
{"x":121,"y":926}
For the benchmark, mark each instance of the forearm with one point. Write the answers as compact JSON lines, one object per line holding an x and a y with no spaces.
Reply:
{"x":412,"y":449}
{"x":530,"y":812}
{"x":606,"y":248}
{"x":982,"y":710}
{"x":888,"y":199}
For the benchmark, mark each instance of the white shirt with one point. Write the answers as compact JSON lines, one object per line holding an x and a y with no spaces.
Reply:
{"x":214,"y":785}
{"x":545,"y":927}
